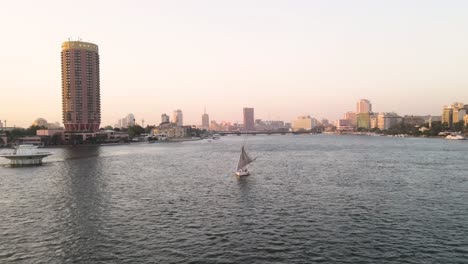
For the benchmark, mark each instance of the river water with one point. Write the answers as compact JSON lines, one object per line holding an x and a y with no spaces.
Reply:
{"x":310,"y":199}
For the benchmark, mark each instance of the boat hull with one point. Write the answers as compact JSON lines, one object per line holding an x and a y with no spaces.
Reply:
{"x":27,"y":160}
{"x":457,"y":137}
{"x":242,"y":173}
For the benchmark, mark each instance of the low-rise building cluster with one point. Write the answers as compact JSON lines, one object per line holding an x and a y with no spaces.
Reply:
{"x":454,"y":114}
{"x":364,"y":118}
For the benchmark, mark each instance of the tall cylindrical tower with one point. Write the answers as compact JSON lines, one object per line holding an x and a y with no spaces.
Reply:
{"x":81,"y":99}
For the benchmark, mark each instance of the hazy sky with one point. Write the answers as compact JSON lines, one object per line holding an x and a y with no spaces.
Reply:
{"x":285,"y":58}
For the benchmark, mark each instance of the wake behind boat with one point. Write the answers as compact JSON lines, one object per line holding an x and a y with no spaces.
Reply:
{"x":24,"y":155}
{"x":244,"y":160}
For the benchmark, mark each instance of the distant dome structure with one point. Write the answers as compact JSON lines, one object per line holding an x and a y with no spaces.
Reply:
{"x":54,"y":125}
{"x":40,"y":122}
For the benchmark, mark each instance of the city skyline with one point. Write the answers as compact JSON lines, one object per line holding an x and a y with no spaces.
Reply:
{"x":291,"y":59}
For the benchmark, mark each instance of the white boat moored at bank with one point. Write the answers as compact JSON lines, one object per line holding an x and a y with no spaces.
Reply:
{"x":24,"y":155}
{"x":455,"y":137}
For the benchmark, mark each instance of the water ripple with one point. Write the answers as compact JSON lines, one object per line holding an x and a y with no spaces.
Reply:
{"x":310,"y":199}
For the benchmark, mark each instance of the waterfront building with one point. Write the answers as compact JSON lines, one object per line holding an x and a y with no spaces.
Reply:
{"x":59,"y":136}
{"x":352,"y":117}
{"x":447,"y":116}
{"x":465,"y":119}
{"x":81,"y":98}
{"x":205,"y":121}
{"x":165,"y":118}
{"x":304,"y":123}
{"x":381,"y":121}
{"x":170,"y":130}
{"x":249,"y":120}
{"x":454,"y":113}
{"x":363,"y":120}
{"x":1,"y":124}
{"x":178,"y":118}
{"x":388,"y":120}
{"x":363,"y":106}
{"x":458,"y":112}
{"x":107,"y":136}
{"x":30,"y":140}
{"x":112,"y":136}
{"x":373,"y":121}
{"x":49,"y":132}
{"x":343,"y":125}
{"x":363,"y":113}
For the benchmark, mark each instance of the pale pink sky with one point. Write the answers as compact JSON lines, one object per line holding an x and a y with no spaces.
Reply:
{"x":284,"y":58}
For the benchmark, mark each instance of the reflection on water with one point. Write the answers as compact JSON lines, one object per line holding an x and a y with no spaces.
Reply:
{"x":309,"y":199}
{"x":85,"y":202}
{"x":80,"y":152}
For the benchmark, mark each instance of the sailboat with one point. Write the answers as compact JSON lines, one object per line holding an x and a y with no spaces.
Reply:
{"x":244,"y":160}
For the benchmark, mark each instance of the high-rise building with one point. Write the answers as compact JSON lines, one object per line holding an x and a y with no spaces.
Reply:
{"x":249,"y":120}
{"x":205,"y":121}
{"x":164,"y":118}
{"x":81,"y":99}
{"x":178,"y":117}
{"x":363,"y":106}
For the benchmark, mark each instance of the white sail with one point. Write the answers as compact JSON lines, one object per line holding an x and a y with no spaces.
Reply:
{"x":244,"y":159}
